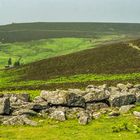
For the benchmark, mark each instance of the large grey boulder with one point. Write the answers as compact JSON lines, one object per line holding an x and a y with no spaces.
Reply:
{"x":61,"y":97}
{"x":4,"y":106}
{"x":96,"y":95}
{"x":19,"y":120}
{"x":74,"y":100}
{"x":120,"y":99}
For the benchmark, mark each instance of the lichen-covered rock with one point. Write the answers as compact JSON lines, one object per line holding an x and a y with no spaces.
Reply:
{"x":58,"y":115}
{"x":74,"y":100}
{"x":4,"y":106}
{"x":39,"y":99}
{"x":96,"y":96}
{"x":122,"y":87}
{"x":18,"y":97}
{"x":55,"y":97}
{"x":84,"y":118}
{"x":96,"y":106}
{"x":138,"y":97}
{"x":137,"y":86}
{"x":121,"y":99}
{"x":125,"y":109}
{"x":24,"y":112}
{"x":76,"y":91}
{"x":61,"y":97}
{"x":19,"y":120}
{"x":137,"y":114}
{"x":96,"y":115}
{"x":72,"y":113}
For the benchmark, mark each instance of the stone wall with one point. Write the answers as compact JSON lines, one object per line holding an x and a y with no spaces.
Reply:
{"x":84,"y":105}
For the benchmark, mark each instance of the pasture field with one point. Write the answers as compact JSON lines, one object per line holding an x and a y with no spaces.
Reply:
{"x":100,"y":129}
{"x":33,"y":51}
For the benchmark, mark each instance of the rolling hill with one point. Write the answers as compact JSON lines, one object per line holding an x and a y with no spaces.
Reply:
{"x":36,"y":50}
{"x":106,"y":59}
{"x":108,"y":63}
{"x":20,"y":32}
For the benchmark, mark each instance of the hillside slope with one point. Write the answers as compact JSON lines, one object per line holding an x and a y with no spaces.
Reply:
{"x":35,"y":31}
{"x":36,"y":50}
{"x":108,"y":63}
{"x":108,"y":59}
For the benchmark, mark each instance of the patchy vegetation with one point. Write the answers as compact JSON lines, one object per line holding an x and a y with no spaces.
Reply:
{"x":35,"y":31}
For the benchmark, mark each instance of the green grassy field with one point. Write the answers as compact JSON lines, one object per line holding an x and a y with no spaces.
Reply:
{"x":42,"y":49}
{"x":101,"y":129}
{"x":37,"y":50}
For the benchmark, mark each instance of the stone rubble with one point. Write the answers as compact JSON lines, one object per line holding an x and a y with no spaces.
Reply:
{"x":60,"y":105}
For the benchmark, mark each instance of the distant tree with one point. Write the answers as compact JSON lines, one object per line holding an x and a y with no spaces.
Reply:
{"x":17,"y":64}
{"x":9,"y":62}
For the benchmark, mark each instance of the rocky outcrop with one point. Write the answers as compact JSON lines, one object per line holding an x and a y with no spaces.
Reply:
{"x":122,"y":98}
{"x":4,"y":106}
{"x":64,"y":98}
{"x":19,"y":120}
{"x":61,"y":105}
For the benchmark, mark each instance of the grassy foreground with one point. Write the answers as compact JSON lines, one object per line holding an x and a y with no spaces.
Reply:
{"x":101,"y":129}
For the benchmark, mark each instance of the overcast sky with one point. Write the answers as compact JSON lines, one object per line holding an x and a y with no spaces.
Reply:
{"x":69,"y":11}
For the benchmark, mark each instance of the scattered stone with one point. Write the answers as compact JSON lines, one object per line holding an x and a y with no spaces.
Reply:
{"x":84,"y":118}
{"x":96,"y":106}
{"x":24,"y":112}
{"x":114,"y":114}
{"x":129,"y":86}
{"x":137,"y":86}
{"x":138,"y":97}
{"x":58,"y":115}
{"x":19,"y":120}
{"x":72,"y":103}
{"x":122,"y":87}
{"x":72,"y":113}
{"x":125,"y":109}
{"x":137,"y":114}
{"x":97,"y":115}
